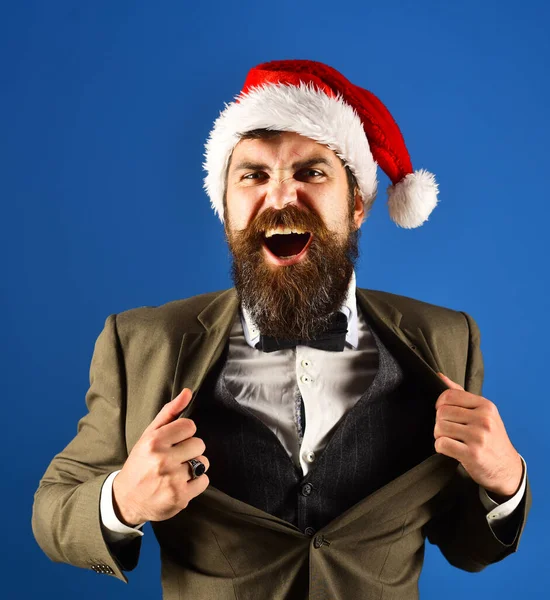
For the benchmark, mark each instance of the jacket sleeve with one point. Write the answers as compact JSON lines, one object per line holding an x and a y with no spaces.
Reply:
{"x":66,"y":511}
{"x":460,"y":529}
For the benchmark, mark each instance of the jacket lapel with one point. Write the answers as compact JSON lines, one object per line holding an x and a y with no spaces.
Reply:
{"x":406,"y":341}
{"x":200,"y":350}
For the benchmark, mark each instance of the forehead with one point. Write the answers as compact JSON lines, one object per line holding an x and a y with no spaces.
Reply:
{"x":285,"y":146}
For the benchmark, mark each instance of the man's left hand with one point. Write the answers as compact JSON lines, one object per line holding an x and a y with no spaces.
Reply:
{"x":469,"y":429}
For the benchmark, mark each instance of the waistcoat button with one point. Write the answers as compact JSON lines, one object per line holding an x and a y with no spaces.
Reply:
{"x":307,"y":488}
{"x":309,"y":531}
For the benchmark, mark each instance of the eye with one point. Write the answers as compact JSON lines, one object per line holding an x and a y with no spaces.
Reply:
{"x":309,"y":174}
{"x":255,"y":175}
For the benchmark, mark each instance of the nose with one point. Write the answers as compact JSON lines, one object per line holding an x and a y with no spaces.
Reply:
{"x":281,"y":191}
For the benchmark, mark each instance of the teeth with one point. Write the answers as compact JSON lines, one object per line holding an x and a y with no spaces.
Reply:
{"x":283,"y":231}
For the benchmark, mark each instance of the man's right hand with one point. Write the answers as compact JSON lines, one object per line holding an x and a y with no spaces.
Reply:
{"x":155,"y":482}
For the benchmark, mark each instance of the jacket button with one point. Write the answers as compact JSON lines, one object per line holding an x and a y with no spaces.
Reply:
{"x":307,"y":488}
{"x":309,"y":531}
{"x":319,"y":541}
{"x":102,"y":569}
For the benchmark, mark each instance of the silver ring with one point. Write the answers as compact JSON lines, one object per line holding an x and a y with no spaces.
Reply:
{"x":197,"y":468}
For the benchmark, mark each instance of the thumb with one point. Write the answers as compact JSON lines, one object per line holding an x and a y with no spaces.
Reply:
{"x":172,"y":410}
{"x":450,"y":382}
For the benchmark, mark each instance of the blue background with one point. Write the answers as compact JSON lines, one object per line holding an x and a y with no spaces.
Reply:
{"x":105,"y":107}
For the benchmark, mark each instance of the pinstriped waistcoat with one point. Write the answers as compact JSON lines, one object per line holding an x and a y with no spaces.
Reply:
{"x":388,"y":431}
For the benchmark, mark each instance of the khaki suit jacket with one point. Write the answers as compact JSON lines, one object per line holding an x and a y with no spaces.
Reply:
{"x":219,"y":547}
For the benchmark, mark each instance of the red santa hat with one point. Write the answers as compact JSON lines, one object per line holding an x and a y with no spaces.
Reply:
{"x":316,"y":101}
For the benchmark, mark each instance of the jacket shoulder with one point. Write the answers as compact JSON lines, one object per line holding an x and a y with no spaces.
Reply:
{"x":418,"y":311}
{"x":450,"y":338}
{"x":172,"y":317}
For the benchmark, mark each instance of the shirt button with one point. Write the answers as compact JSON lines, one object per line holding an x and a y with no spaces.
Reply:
{"x":306,"y":363}
{"x":307,"y":488}
{"x":309,"y":456}
{"x":306,"y":379}
{"x":309,"y":531}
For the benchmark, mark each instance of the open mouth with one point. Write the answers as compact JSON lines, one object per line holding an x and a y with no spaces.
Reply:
{"x":287,"y":245}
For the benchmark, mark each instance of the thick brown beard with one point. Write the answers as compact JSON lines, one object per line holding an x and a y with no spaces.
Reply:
{"x":295,"y":301}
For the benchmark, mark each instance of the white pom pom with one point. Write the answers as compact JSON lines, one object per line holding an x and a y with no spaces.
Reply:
{"x":412,"y":200}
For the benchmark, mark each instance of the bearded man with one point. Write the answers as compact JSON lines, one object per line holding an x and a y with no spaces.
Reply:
{"x":295,"y":436}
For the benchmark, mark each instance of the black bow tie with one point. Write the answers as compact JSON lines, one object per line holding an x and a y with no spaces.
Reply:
{"x":332,"y":339}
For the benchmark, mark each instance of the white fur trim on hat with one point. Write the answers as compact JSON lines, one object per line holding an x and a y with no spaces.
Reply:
{"x":303,"y":109}
{"x":412,"y":199}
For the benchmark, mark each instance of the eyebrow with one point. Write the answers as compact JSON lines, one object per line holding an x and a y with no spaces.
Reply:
{"x":300,"y":164}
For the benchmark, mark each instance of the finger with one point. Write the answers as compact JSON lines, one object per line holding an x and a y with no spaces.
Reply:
{"x":455,"y":431}
{"x":186,"y":450}
{"x":177,"y":431}
{"x":453,"y":448}
{"x":455,"y":414}
{"x":195,"y":487}
{"x":450,"y":382}
{"x":171,"y":410}
{"x":458,"y":398}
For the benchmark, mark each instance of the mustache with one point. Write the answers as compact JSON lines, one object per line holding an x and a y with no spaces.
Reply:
{"x":290,"y":216}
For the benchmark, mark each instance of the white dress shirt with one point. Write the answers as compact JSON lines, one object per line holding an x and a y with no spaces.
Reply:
{"x":272,"y":385}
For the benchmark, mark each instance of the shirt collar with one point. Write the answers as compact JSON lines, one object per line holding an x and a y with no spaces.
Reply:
{"x":349,"y":308}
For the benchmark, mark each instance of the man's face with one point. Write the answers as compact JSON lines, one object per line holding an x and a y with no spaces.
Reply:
{"x":290,"y":282}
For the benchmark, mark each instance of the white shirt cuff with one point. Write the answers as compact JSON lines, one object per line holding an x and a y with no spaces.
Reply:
{"x":113,"y":530}
{"x":499,"y":512}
